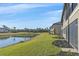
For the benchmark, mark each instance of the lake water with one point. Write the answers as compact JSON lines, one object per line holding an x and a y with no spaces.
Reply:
{"x":12,"y":40}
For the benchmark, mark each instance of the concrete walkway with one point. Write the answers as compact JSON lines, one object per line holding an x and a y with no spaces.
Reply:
{"x":69,"y":50}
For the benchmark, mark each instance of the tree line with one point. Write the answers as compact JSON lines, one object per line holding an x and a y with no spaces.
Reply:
{"x":14,"y":29}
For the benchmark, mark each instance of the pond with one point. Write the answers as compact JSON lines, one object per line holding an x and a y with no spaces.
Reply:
{"x":12,"y":40}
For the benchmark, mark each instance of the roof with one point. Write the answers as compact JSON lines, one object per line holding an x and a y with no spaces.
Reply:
{"x":57,"y":23}
{"x":1,"y":28}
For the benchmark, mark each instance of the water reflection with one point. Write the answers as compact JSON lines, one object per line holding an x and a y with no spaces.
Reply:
{"x":12,"y":40}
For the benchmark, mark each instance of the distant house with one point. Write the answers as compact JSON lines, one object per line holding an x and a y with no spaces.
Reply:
{"x":56,"y":28}
{"x":4,"y":29}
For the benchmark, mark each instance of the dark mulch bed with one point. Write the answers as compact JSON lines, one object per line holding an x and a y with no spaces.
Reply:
{"x":64,"y":44}
{"x":61,"y":43}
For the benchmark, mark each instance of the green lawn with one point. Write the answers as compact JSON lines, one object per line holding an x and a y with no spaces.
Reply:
{"x":39,"y":46}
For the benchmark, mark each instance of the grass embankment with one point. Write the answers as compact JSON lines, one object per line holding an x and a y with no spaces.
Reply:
{"x":19,"y":34}
{"x":39,"y":45}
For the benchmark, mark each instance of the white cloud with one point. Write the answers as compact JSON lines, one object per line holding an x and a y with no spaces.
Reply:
{"x":19,"y":7}
{"x":53,"y":12}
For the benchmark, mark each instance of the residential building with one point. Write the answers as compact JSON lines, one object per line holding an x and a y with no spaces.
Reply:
{"x":56,"y":28}
{"x":4,"y":29}
{"x":70,"y":24}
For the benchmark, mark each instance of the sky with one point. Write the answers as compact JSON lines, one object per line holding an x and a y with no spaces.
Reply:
{"x":30,"y":15}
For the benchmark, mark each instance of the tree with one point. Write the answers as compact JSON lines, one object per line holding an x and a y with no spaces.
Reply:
{"x":14,"y":29}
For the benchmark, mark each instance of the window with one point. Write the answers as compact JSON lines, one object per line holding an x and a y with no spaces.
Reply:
{"x":73,"y":33}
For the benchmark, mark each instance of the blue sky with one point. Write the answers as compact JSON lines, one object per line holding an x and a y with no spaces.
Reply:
{"x":30,"y":15}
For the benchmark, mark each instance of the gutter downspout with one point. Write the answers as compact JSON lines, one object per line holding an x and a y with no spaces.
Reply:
{"x":68,"y":32}
{"x":69,"y":28}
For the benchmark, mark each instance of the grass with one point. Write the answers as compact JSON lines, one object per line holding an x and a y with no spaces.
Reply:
{"x":4,"y":37}
{"x":40,"y":45}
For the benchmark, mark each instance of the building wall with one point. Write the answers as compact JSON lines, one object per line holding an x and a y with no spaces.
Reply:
{"x":56,"y":29}
{"x":52,"y":30}
{"x":3,"y":30}
{"x":73,"y":28}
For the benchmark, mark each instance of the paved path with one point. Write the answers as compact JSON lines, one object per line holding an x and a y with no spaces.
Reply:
{"x":69,"y":49}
